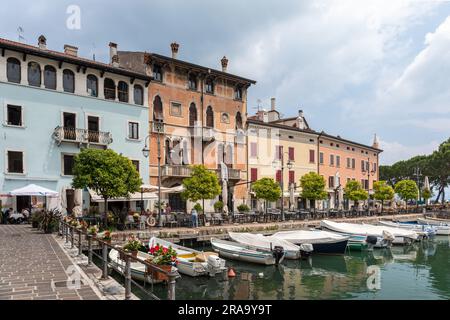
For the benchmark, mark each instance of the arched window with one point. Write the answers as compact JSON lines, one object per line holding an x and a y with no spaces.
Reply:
{"x":110,"y":89}
{"x":238,"y":120}
{"x":168,"y":154}
{"x":122,"y":88}
{"x":192,"y":82}
{"x":157,"y":109}
{"x":34,"y":74}
{"x":68,"y":81}
{"x":138,"y":95}
{"x":157,"y":73}
{"x":92,"y":85}
{"x":192,"y":115}
{"x":13,"y":71}
{"x":209,"y":117}
{"x":209,"y":86}
{"x":238,"y":93}
{"x":50,"y":77}
{"x":220,"y":154}
{"x":228,"y":158}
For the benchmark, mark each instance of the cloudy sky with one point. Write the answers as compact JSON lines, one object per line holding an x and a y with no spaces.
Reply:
{"x":355,"y":67}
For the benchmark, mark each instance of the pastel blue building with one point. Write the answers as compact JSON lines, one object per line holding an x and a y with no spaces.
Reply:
{"x":54,"y":104}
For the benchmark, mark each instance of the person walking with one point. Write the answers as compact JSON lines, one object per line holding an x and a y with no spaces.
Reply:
{"x":194,"y":218}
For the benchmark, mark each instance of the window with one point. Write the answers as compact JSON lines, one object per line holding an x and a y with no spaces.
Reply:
{"x":238,"y":120}
{"x":353,"y":163}
{"x":220,"y":154}
{"x":209,"y":117}
{"x":15,"y":162}
{"x":110,"y":89}
{"x":122,"y":89}
{"x":50,"y":77}
{"x":321,"y":157}
{"x":138,"y":95}
{"x":175,"y":109}
{"x":349,"y":163}
{"x":278,"y":176}
{"x":291,"y":177}
{"x":68,"y":164}
{"x":14,"y":115}
{"x":133,"y":130}
{"x":238,"y":93}
{"x":228,"y":155}
{"x":374,"y":167}
{"x":338,"y":161}
{"x":69,"y":125}
{"x":312,"y":156}
{"x":278,"y":152}
{"x":93,"y":129}
{"x":291,"y":154}
{"x":34,"y":74}
{"x":192,"y":82}
{"x":253,"y":174}
{"x":68,"y":81}
{"x":157,"y":109}
{"x":157,"y":73}
{"x":136,"y":164}
{"x":92,"y":85}
{"x":363,"y":166}
{"x":209,"y":86}
{"x":13,"y":70}
{"x":253,"y":149}
{"x":192,"y":115}
{"x":331,"y":182}
{"x":331,"y":160}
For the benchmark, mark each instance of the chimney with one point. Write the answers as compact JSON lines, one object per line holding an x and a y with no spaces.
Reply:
{"x":224,"y":64}
{"x":376,"y":143}
{"x":114,"y":57}
{"x":70,"y":50}
{"x":301,"y":120}
{"x":174,"y":46}
{"x":42,"y":42}
{"x":273,"y":104}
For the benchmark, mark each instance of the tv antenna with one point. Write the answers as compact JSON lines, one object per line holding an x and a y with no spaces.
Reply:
{"x":20,"y":33}
{"x":258,"y":105}
{"x":93,"y":51}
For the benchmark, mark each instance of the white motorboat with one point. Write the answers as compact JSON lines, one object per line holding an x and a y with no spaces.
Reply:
{"x":323,"y":242}
{"x":442,"y":228}
{"x":237,"y":251}
{"x":192,"y":262}
{"x":424,"y":231}
{"x":267,"y":243}
{"x":385,"y":235}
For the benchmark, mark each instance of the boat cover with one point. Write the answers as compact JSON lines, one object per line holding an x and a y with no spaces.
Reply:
{"x":260,"y":241}
{"x":368,"y":229}
{"x":310,"y":236}
{"x":433,"y":222}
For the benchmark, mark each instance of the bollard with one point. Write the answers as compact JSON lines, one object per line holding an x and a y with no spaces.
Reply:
{"x":67,"y":233}
{"x":80,"y":244}
{"x":105,"y":262}
{"x":89,"y":250}
{"x":127,"y":279}
{"x":71,"y":238}
{"x":171,"y":286}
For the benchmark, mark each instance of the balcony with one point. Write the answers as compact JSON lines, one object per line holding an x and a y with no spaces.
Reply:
{"x":81,"y":136}
{"x":233,"y":174}
{"x":176,"y":171}
{"x":208,"y":133}
{"x":158,"y":127}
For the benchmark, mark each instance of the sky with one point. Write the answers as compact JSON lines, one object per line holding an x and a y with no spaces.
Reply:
{"x":355,"y":68}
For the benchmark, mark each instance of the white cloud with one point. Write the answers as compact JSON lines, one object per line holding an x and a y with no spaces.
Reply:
{"x":395,"y":151}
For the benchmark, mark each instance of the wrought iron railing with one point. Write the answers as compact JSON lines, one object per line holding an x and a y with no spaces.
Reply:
{"x":67,"y":134}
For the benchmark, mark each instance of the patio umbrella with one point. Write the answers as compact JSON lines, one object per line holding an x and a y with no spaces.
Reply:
{"x":63,"y":199}
{"x":341,"y":198}
{"x":225,"y":193}
{"x":34,"y":190}
{"x":77,"y":210}
{"x":291,"y":196}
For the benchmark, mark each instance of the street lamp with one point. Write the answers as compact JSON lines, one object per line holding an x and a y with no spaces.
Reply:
{"x":158,"y":126}
{"x":369,"y":172}
{"x":289,"y":165}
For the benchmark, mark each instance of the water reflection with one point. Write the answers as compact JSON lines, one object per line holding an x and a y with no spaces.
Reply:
{"x":420,"y":271}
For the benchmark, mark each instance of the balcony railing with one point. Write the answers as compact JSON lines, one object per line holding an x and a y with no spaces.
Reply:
{"x":76,"y":135}
{"x":208,"y":133}
{"x":176,"y":171}
{"x":233,"y":174}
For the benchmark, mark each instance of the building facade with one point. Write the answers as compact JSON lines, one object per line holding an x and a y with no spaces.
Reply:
{"x":200,"y":114}
{"x":56,"y":103}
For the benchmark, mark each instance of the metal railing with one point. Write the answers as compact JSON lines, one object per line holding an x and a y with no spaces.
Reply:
{"x":76,"y":135}
{"x":75,"y":236}
{"x":176,"y":171}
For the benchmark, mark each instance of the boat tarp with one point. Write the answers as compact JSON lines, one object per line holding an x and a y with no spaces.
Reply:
{"x":310,"y":236}
{"x":367,"y":229}
{"x":260,"y":241}
{"x":433,"y":222}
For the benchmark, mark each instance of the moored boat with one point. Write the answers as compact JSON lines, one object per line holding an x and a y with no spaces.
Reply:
{"x":425,"y":231}
{"x":323,"y":242}
{"x":237,"y":251}
{"x":442,"y":228}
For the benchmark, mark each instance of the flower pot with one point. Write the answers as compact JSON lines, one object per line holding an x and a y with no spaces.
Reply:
{"x":159,"y":275}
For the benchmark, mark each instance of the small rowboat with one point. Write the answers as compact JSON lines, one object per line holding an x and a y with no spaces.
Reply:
{"x":237,"y":251}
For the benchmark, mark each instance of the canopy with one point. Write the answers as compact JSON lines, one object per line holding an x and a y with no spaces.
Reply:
{"x":148,"y":188}
{"x":33,"y":190}
{"x":133,"y":197}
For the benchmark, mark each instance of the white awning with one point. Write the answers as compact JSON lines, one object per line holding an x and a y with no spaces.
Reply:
{"x":34,"y":190}
{"x":133,"y":197}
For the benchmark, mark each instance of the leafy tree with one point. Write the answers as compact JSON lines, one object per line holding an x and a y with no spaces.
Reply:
{"x":354,"y":191}
{"x":109,"y":174}
{"x":267,"y":189}
{"x":383,"y":192}
{"x":407,"y":190}
{"x":203,"y":184}
{"x":313,"y":187}
{"x":426,"y":194}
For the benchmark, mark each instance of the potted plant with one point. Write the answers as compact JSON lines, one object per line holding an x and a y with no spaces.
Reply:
{"x":36,"y":219}
{"x":218,"y":206}
{"x":133,"y":245}
{"x":83,"y":226}
{"x":107,"y":236}
{"x":136,"y":217}
{"x":164,"y":258}
{"x":50,"y":220}
{"x":93,"y":230}
{"x":243,"y":208}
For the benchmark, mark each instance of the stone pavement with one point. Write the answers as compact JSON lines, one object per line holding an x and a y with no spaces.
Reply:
{"x":34,"y":267}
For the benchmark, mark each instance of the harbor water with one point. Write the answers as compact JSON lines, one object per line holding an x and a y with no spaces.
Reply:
{"x":419,"y":271}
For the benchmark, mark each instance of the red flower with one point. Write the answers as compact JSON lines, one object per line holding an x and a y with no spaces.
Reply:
{"x":165,"y":250}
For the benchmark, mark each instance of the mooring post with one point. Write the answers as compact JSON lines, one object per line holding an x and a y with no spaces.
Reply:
{"x":127,"y":278}
{"x":71,"y":238}
{"x":89,"y":250}
{"x":171,"y":286}
{"x":80,"y":245}
{"x":105,"y":261}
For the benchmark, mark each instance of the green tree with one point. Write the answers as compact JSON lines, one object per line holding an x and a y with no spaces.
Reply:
{"x":313,"y":187}
{"x":203,"y":184}
{"x":426,"y":194}
{"x":383,"y":192}
{"x":107,"y":173}
{"x":407,"y":190}
{"x":354,"y":191}
{"x":267,"y":189}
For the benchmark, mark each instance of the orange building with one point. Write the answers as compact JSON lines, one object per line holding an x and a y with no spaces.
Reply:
{"x":203,"y":112}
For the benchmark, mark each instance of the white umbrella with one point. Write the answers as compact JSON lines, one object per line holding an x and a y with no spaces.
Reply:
{"x":77,"y":210}
{"x":225,"y":192}
{"x":291,"y":196}
{"x":64,"y":199}
{"x":341,"y":198}
{"x":33,"y":190}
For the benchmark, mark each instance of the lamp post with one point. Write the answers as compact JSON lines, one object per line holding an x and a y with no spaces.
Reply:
{"x":159,"y":128}
{"x":369,"y":172}
{"x":290,"y":166}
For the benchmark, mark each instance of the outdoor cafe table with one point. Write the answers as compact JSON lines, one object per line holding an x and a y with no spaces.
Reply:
{"x":16,"y":216}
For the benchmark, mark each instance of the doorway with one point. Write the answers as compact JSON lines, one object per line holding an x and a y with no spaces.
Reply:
{"x":23,"y":202}
{"x":176,"y":202}
{"x":70,"y":196}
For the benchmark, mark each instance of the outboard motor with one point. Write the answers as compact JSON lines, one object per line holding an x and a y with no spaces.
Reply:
{"x":215,"y":264}
{"x":306,"y":250}
{"x":278,"y":254}
{"x":371,"y":241}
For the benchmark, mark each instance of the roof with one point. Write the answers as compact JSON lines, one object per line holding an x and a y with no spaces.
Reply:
{"x":63,"y":57}
{"x":324,"y":134}
{"x":200,"y":68}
